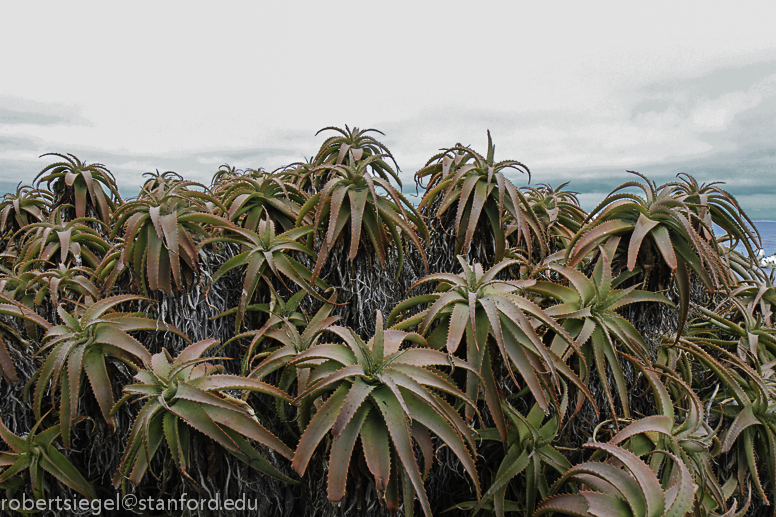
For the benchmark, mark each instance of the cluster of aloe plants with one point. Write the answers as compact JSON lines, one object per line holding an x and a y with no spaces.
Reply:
{"x":537,"y":359}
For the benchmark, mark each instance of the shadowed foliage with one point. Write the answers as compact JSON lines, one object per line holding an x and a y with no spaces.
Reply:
{"x":37,"y":454}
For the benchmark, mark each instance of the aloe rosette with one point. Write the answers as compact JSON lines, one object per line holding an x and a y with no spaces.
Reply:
{"x":744,"y":368}
{"x":625,"y":486}
{"x":757,"y":294}
{"x":249,"y":198}
{"x":280,"y":313}
{"x":588,"y":308}
{"x":475,"y":307}
{"x":346,"y":179}
{"x":715,"y":205}
{"x":556,"y":209}
{"x":37,"y":454}
{"x":529,"y":450}
{"x":293,"y":333}
{"x":70,"y":283}
{"x":266,"y":256}
{"x":190,"y":392}
{"x":665,"y":228}
{"x":661,"y":217}
{"x":750,"y":427}
{"x":58,"y":242}
{"x":754,"y":335}
{"x":391,"y":397}
{"x":474,"y":186}
{"x":353,"y":199}
{"x":88,"y":182}
{"x":80,"y":346}
{"x":336,"y":149}
{"x":690,"y":439}
{"x":26,"y":205}
{"x":161,"y":230}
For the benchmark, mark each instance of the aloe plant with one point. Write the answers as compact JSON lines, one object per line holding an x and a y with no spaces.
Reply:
{"x":253,"y":196}
{"x":556,"y":209}
{"x":292,"y":332}
{"x":663,"y":226}
{"x":227,"y":173}
{"x":37,"y":454}
{"x":161,"y":230}
{"x":529,"y":449}
{"x":712,"y":204}
{"x":678,"y":426}
{"x":756,"y":340}
{"x":86,"y":181}
{"x":159,"y":184}
{"x":758,"y":296}
{"x":390,"y":397}
{"x":32,"y":287}
{"x":631,"y":489}
{"x":26,"y":205}
{"x":352,"y":198}
{"x":752,"y":426}
{"x":356,"y":142}
{"x":266,"y":256}
{"x":588,"y":308}
{"x":477,"y":185}
{"x":80,"y":346}
{"x":52,"y":242}
{"x":474,"y":307}
{"x":190,"y":392}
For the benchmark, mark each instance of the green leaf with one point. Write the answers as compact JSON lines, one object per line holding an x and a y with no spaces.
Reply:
{"x":317,"y":428}
{"x":341,"y":452}
{"x":354,"y":400}
{"x":402,"y":441}
{"x":375,"y":441}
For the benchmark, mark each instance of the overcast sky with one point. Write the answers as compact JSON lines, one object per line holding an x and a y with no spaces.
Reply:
{"x":576,"y":93}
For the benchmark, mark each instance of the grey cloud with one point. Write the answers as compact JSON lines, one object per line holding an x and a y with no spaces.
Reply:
{"x":16,"y":111}
{"x":15,"y":171}
{"x":712,"y":84}
{"x":748,"y":174}
{"x":8,"y":116}
{"x":756,"y":126}
{"x":15,"y":143}
{"x":22,"y":161}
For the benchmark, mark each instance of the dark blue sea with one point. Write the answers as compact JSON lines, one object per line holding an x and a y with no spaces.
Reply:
{"x":767,"y":231}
